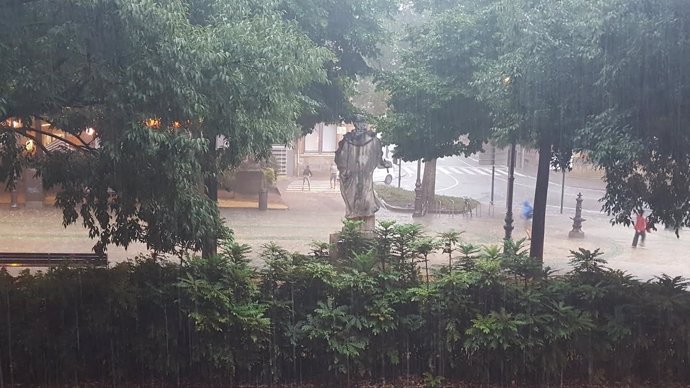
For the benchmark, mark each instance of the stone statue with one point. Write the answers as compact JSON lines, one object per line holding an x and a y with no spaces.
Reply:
{"x":358,"y":154}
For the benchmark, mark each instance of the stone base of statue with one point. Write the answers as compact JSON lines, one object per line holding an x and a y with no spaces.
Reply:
{"x":576,"y":234}
{"x":367,"y":233}
{"x":334,"y":243}
{"x":368,"y":224}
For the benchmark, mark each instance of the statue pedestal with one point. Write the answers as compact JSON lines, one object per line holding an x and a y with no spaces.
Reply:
{"x":334,"y":243}
{"x":367,"y":233}
{"x":368,"y":226}
{"x":576,"y":234}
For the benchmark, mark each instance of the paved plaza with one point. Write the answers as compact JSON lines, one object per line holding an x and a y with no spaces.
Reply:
{"x":300,"y":217}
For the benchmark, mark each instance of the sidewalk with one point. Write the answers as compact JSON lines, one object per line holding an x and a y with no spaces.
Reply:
{"x":664,"y":253}
{"x":225,"y":200}
{"x":244,"y":201}
{"x":313,"y":216}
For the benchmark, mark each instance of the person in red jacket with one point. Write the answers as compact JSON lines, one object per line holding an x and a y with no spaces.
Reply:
{"x":640,"y":229}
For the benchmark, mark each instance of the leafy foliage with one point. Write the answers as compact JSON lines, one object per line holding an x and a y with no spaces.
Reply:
{"x":177,"y":92}
{"x":605,"y":78}
{"x":352,"y":31}
{"x":376,"y":315}
{"x":431,"y":101}
{"x":641,"y":138}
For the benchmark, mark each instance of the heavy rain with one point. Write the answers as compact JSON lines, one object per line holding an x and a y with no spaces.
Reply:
{"x":344,"y":193}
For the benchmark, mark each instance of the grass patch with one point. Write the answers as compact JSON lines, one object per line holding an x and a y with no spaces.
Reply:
{"x":405,"y":199}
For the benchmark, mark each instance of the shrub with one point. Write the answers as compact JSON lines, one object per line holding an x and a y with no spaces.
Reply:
{"x":379,"y":312}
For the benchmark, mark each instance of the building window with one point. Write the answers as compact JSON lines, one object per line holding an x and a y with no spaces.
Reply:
{"x":323,"y":139}
{"x":329,"y":136}
{"x":311,"y":141}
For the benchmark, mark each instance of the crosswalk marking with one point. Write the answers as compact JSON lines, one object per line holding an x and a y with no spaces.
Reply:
{"x":480,"y":171}
{"x":496,"y":171}
{"x":455,"y":170}
{"x":452,"y":170}
{"x":483,"y":171}
{"x":316,"y":187}
{"x":324,"y":186}
{"x":468,"y":171}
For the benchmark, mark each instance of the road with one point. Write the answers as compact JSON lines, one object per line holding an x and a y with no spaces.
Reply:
{"x":460,"y":176}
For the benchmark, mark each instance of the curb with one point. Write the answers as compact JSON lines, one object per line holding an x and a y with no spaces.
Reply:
{"x":411,"y":209}
{"x":396,"y":208}
{"x":249,"y":202}
{"x":246,"y":204}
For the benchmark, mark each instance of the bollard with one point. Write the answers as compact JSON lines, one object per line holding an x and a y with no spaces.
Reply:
{"x":577,"y":220}
{"x":263,"y":199}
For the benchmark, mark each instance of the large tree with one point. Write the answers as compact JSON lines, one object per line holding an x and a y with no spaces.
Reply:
{"x":159,"y":81}
{"x":641,"y":136}
{"x":528,"y":64}
{"x":433,"y":109}
{"x":353,"y":31}
{"x":541,"y":84}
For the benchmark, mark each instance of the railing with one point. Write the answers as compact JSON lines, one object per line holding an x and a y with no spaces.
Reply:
{"x":40,"y":259}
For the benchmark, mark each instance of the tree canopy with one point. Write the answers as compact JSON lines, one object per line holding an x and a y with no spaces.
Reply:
{"x":176,"y":91}
{"x":605,"y":78}
{"x":159,"y":81}
{"x":540,"y":84}
{"x":434,"y":111}
{"x":641,"y":136}
{"x":352,"y":30}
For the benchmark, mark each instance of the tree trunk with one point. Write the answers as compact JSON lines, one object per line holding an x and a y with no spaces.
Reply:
{"x":210,"y":247}
{"x":210,"y":243}
{"x":429,"y":183}
{"x":540,"y":193}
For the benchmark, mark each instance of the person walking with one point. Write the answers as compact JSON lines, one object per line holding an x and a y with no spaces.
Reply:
{"x":640,"y":229}
{"x":334,"y":175}
{"x":527,"y":214}
{"x":306,"y":177}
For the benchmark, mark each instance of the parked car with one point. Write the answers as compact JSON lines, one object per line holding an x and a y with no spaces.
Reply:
{"x":386,"y":175}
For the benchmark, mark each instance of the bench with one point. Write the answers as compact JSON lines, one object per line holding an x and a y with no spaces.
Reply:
{"x":39,"y":259}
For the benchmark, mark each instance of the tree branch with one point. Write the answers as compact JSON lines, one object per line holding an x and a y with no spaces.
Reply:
{"x":38,"y":143}
{"x":86,"y":147}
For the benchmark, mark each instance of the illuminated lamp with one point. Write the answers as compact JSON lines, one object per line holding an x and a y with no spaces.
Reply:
{"x":30,"y":145}
{"x":153,"y":123}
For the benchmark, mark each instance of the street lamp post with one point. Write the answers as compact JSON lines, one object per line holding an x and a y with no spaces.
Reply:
{"x":418,"y":192}
{"x":493,"y":173}
{"x":562,"y":188}
{"x":508,"y":227}
{"x":13,"y":199}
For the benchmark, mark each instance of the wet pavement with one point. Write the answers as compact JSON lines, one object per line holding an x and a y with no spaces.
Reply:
{"x":299,"y":218}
